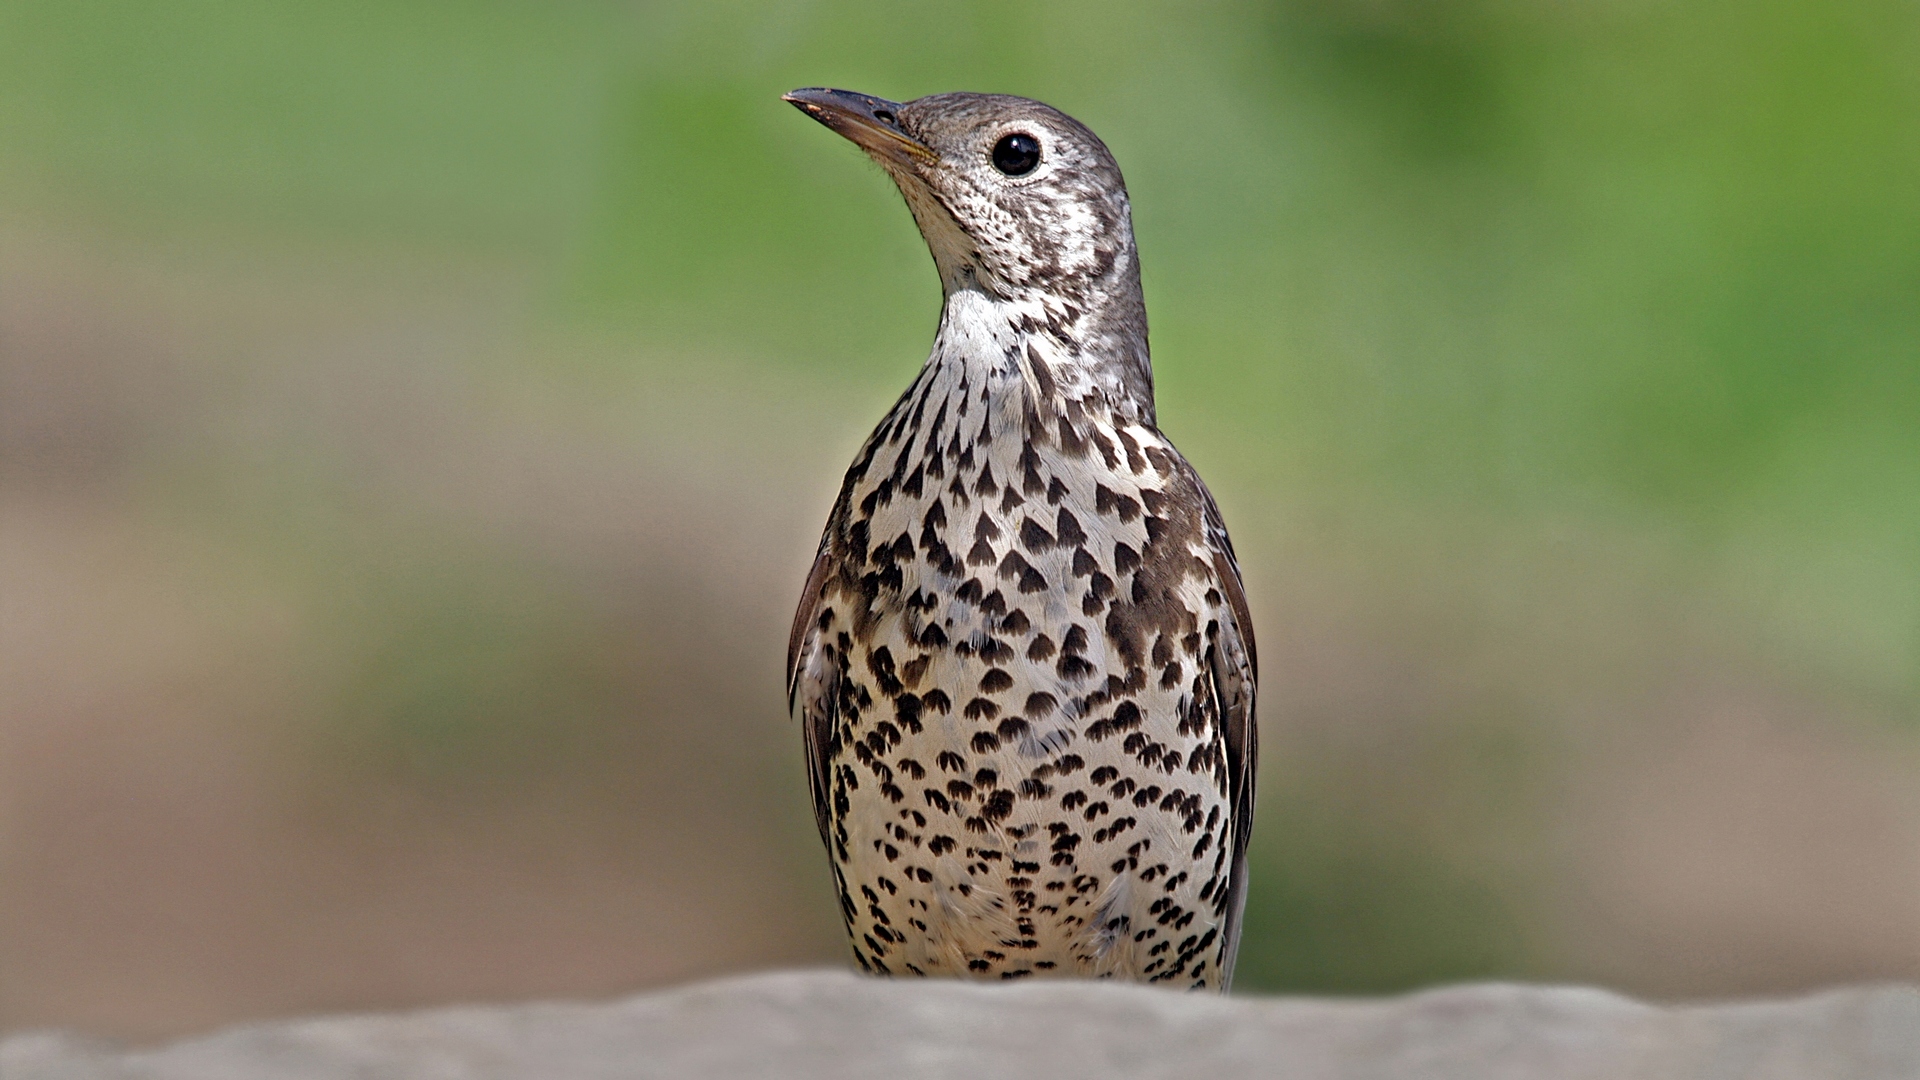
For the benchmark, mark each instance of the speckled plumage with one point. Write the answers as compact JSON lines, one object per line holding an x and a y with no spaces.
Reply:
{"x":1023,"y":663}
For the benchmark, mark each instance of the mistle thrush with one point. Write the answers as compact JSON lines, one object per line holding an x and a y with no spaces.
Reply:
{"x":1023,"y":663}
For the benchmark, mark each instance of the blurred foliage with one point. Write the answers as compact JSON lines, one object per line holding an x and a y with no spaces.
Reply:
{"x":1646,"y":264}
{"x":477,"y":674}
{"x":1371,"y":917}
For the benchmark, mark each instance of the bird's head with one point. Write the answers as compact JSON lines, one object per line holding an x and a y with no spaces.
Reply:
{"x":1015,"y":198}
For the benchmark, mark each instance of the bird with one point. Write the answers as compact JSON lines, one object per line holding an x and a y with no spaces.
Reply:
{"x":1022,"y":663}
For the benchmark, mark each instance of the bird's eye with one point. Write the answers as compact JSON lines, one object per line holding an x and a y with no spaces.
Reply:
{"x":1016,"y":154}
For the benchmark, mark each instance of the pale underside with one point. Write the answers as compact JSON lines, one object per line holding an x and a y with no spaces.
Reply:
{"x":1026,"y":692}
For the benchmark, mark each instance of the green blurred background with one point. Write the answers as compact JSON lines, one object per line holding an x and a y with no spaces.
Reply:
{"x":416,"y":420}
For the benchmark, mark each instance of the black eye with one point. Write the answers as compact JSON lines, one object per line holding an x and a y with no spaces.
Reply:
{"x":1016,"y":154}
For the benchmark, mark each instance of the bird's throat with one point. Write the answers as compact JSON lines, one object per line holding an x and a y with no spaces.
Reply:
{"x":1022,"y":358}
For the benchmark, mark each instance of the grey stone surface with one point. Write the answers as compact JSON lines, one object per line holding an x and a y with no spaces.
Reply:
{"x":829,"y":1023}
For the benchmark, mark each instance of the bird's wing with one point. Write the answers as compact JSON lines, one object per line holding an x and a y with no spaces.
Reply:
{"x":813,"y":685}
{"x":1235,"y":668}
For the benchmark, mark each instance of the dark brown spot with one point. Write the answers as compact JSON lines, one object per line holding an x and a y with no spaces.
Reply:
{"x":1067,"y":528}
{"x":999,"y":805}
{"x":880,"y":665}
{"x":1013,"y":565}
{"x":1071,"y":444}
{"x":1030,"y":470}
{"x":1073,"y":667}
{"x":1084,"y":563}
{"x":981,"y":709}
{"x":1035,"y":538}
{"x":1162,"y":651}
{"x":980,"y":554}
{"x":1042,"y":374}
{"x":906,"y":709}
{"x":1105,"y":446}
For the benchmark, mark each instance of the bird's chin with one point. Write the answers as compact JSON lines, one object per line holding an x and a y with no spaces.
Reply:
{"x":953,"y":248}
{"x":896,"y":153}
{"x":908,"y":174}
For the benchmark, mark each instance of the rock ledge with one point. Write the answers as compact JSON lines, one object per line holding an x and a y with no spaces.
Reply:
{"x":834,"y":1024}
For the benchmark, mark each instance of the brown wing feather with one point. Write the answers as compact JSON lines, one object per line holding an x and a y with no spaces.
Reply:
{"x":812,"y":692}
{"x":804,"y":615}
{"x":1235,"y":667}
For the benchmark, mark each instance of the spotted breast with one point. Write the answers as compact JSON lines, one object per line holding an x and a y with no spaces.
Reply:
{"x":1023,"y":663}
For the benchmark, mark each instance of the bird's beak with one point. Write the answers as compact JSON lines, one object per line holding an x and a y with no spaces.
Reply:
{"x":871,"y":123}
